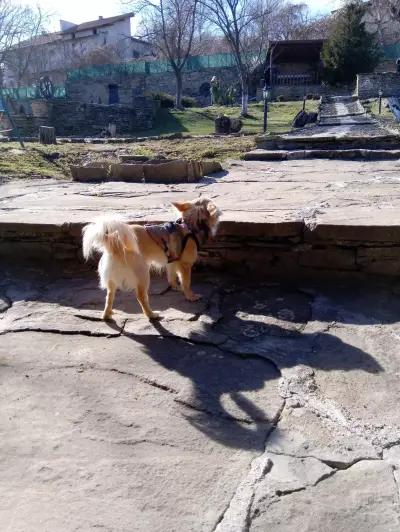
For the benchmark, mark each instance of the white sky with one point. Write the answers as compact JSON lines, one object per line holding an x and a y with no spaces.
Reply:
{"x":84,"y":10}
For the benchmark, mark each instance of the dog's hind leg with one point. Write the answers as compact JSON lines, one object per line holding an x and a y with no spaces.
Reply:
{"x":142,"y":292}
{"x":109,"y":300}
{"x":143,"y":299}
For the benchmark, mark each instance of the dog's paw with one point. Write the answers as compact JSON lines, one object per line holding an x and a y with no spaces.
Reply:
{"x":193,"y":297}
{"x":175,"y":287}
{"x":106,"y":316}
{"x":155,"y":316}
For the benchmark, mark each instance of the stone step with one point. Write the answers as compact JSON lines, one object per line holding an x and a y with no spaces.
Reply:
{"x":332,"y":142}
{"x":286,"y":155}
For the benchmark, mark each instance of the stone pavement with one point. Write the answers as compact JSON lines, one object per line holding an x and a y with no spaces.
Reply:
{"x":262,"y":407}
{"x":275,"y":192}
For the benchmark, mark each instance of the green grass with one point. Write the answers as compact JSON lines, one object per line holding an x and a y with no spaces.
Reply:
{"x":55,"y":161}
{"x":200,"y":121}
{"x":386,"y":116}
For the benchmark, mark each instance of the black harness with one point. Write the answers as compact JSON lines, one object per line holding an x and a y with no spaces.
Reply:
{"x":177,"y":229}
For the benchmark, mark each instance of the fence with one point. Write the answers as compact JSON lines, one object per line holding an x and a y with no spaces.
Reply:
{"x":193,"y":63}
{"x":391,"y":51}
{"x":29,"y":93}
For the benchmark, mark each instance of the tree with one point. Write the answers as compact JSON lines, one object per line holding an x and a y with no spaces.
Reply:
{"x":350,"y":49}
{"x":19,"y":25}
{"x":170,"y":26}
{"x":245,"y":26}
{"x":395,"y":9}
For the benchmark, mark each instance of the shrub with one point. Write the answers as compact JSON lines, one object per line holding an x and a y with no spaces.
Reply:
{"x":166,"y":100}
{"x":280,"y":98}
{"x":188,"y":101}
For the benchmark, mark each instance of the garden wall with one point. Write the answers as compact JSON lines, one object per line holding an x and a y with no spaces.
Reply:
{"x":72,"y":118}
{"x":97,"y":90}
{"x":368,"y":85}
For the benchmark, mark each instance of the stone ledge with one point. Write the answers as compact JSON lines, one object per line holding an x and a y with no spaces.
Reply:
{"x":287,"y":247}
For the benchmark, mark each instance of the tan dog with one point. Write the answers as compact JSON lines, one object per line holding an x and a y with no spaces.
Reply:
{"x":130,"y":251}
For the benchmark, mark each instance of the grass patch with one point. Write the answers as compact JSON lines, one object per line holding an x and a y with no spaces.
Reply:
{"x":55,"y":161}
{"x":386,"y":118}
{"x":200,"y":121}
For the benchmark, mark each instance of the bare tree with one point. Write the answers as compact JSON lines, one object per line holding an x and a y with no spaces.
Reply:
{"x":19,"y":26}
{"x":170,"y":26}
{"x":245,"y":26}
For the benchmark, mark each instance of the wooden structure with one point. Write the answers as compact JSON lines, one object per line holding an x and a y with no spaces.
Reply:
{"x":294,"y":63}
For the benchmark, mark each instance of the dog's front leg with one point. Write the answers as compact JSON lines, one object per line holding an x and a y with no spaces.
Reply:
{"x":172,"y":276}
{"x":185,"y":274}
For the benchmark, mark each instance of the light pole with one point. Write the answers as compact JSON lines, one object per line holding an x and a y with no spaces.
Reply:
{"x":265,"y":98}
{"x":380,"y":94}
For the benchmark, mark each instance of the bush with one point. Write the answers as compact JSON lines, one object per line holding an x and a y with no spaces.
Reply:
{"x":280,"y":98}
{"x":188,"y":101}
{"x":166,"y":100}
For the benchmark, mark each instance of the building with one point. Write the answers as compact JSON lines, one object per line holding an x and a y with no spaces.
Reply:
{"x":293,"y":67}
{"x":101,"y":41}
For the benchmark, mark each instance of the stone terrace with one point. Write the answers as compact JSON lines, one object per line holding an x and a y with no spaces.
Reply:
{"x":278,"y":216}
{"x":267,"y":405}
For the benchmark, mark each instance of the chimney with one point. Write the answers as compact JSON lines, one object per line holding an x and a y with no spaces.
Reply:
{"x":100,"y":17}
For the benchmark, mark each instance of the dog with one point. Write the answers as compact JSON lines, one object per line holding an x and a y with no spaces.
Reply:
{"x":130,"y":251}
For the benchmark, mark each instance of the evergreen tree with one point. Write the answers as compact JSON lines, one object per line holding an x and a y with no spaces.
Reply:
{"x":350,"y":50}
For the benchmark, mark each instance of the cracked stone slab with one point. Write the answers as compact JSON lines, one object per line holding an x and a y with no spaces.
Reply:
{"x":374,"y":366}
{"x":158,"y":428}
{"x":270,"y":477}
{"x":363,"y":497}
{"x":303,"y":432}
{"x":50,"y":317}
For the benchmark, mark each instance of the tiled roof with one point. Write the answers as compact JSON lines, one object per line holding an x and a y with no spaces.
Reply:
{"x":97,"y":23}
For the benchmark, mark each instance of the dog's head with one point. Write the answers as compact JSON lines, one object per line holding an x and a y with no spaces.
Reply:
{"x":198,"y":212}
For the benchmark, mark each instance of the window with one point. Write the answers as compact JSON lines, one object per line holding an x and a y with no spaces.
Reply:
{"x":94,"y":31}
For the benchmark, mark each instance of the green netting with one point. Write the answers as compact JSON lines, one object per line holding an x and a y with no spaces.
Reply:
{"x":29,"y":93}
{"x":391,"y":51}
{"x":194,"y":63}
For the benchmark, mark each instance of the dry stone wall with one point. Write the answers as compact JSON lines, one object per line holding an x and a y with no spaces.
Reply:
{"x":369,"y":85}
{"x":97,"y":90}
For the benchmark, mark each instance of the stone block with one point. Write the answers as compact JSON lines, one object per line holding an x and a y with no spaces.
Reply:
{"x":166,"y":172}
{"x":127,"y":172}
{"x":380,"y":260}
{"x":94,"y":172}
{"x":329,"y":259}
{"x":352,"y":233}
{"x":210,"y":167}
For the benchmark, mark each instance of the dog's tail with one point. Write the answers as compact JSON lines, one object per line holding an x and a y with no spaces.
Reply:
{"x":108,"y":234}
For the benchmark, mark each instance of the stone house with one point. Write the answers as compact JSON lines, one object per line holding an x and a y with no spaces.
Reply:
{"x":105,"y":40}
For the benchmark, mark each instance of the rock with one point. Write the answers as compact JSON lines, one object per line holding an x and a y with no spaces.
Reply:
{"x":225,"y":125}
{"x":364,"y":497}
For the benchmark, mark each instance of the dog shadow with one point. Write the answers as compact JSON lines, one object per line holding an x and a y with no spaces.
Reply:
{"x":232,"y":393}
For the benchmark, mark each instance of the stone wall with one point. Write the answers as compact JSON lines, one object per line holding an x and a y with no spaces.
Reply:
{"x":97,"y":90}
{"x":72,"y":118}
{"x":297,"y":92}
{"x":289,"y":248}
{"x":76,"y":118}
{"x":368,"y":85}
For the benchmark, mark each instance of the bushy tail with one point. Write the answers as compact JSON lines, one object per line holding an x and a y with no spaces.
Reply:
{"x":108,"y":234}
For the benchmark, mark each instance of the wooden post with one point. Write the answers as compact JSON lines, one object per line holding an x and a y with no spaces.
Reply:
{"x":47,"y":135}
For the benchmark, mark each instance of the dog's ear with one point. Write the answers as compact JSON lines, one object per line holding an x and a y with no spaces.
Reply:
{"x":212,"y":209}
{"x":182,"y":207}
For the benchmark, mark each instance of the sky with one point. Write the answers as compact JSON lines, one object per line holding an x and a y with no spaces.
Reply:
{"x":84,"y":10}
